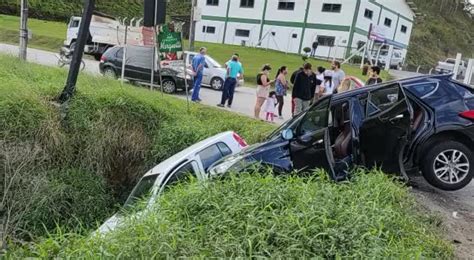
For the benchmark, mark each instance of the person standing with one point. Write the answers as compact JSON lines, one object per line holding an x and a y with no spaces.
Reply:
{"x":263,"y":89}
{"x":328,"y":85}
{"x":198,"y":64}
{"x":374,"y":76}
{"x":270,"y":105}
{"x":281,"y":87}
{"x":302,"y":89}
{"x":313,"y":48}
{"x":338,"y":74}
{"x":234,"y":70}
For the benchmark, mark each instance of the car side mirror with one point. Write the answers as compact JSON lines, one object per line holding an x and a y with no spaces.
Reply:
{"x":287,"y":134}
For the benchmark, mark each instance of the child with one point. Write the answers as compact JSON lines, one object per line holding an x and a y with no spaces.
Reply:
{"x":270,"y":105}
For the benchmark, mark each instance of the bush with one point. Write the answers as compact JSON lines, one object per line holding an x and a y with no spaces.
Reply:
{"x":307,"y":50}
{"x":75,"y":170}
{"x":254,"y":216}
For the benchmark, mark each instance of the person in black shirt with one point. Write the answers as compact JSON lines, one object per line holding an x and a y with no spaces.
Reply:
{"x":374,"y":76}
{"x":302,"y":89}
{"x":313,"y":48}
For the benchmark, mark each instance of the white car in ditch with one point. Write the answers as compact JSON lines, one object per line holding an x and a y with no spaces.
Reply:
{"x":193,"y":161}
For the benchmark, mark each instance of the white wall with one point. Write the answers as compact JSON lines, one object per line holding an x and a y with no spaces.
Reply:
{"x":296,"y":15}
{"x":399,"y":6}
{"x":249,"y":13}
{"x":251,"y":40}
{"x":363,"y":22}
{"x":209,"y":37}
{"x":345,"y":17}
{"x":325,"y":51}
{"x":219,"y":10}
{"x":403,"y":37}
{"x":282,"y":41}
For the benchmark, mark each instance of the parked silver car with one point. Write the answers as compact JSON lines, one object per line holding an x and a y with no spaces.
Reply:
{"x":214,"y":73}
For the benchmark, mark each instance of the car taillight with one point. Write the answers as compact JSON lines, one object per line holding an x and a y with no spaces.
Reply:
{"x":103,"y":58}
{"x":469,"y":114}
{"x":240,"y":140}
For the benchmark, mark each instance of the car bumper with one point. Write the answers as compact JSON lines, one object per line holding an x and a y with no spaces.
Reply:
{"x":180,"y":83}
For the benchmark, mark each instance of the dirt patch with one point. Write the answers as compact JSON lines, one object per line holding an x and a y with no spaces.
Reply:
{"x":456,"y":210}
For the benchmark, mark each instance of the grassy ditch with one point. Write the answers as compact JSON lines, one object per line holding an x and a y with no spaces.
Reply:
{"x":113,"y":134}
{"x":260,"y":216}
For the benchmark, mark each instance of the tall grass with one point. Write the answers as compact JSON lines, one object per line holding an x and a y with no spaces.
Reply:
{"x":259,"y":216}
{"x":85,"y":164}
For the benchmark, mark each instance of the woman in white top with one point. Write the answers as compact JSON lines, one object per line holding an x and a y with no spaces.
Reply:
{"x":327,"y":87}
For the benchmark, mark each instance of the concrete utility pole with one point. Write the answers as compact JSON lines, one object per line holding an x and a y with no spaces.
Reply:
{"x":192,"y":24}
{"x":24,"y":29}
{"x":74,"y":67}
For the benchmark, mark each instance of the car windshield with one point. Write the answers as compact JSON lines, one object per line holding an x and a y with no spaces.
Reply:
{"x":292,"y":123}
{"x":141,"y":191}
{"x":213,"y":62}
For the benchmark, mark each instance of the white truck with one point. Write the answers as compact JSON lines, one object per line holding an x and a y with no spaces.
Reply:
{"x":104,"y":32}
{"x":447,"y":66}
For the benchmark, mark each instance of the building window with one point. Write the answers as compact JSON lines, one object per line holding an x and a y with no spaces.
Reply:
{"x":368,"y":14}
{"x":247,"y":3}
{"x":273,"y":33}
{"x":326,"y":40}
{"x":213,"y":2}
{"x":242,"y":33}
{"x":204,"y":29}
{"x":211,"y":29}
{"x":387,"y":22}
{"x":404,"y":29}
{"x":286,"y":5}
{"x":294,"y":36}
{"x":332,"y":8}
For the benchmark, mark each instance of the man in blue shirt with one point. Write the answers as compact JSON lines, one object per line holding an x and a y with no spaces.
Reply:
{"x":198,"y":63}
{"x":234,"y":70}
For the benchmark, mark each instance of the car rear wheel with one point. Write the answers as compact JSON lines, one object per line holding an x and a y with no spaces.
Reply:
{"x":448,"y":165}
{"x":217,"y":83}
{"x":169,"y":86}
{"x":110,"y":73}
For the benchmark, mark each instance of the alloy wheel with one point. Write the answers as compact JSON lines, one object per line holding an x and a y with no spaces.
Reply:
{"x":451,"y":166}
{"x":169,"y":86}
{"x":216,"y":84}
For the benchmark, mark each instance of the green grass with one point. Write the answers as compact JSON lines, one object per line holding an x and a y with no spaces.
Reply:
{"x":46,"y":35}
{"x":112,"y":133}
{"x":261,"y":216}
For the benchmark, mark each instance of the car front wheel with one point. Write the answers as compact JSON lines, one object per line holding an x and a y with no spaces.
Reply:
{"x":217,"y":83}
{"x":448,"y":165}
{"x":169,"y":86}
{"x":110,"y":73}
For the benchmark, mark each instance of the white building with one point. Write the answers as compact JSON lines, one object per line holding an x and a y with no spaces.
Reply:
{"x":340,"y":26}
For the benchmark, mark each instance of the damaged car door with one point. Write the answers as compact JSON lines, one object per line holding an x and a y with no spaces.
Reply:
{"x":385,"y":130}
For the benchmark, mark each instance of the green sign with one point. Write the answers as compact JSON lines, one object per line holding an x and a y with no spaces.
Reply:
{"x":169,"y":41}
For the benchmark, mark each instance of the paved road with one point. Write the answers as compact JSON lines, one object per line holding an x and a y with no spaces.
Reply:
{"x":244,"y":98}
{"x":400,"y":74}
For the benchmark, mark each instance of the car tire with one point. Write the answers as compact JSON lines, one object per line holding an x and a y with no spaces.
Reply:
{"x":169,"y":86}
{"x":446,"y":160}
{"x":110,"y":73}
{"x":217,"y":83}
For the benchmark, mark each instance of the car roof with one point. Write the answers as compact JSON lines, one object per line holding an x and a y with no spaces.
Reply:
{"x":403,"y":82}
{"x":186,"y":154}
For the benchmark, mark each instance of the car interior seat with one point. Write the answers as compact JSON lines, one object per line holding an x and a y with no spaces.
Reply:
{"x":342,"y":144}
{"x":418,"y":118}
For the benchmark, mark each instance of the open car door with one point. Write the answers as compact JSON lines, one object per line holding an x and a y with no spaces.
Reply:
{"x":384,"y":132}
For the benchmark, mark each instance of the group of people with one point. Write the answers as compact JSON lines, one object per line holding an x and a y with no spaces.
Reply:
{"x":307,"y":85}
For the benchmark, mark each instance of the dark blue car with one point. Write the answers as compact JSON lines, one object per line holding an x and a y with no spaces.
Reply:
{"x":424,"y":123}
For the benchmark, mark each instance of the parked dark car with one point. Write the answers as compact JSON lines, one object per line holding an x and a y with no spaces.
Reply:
{"x":138,"y":68}
{"x":424,"y":123}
